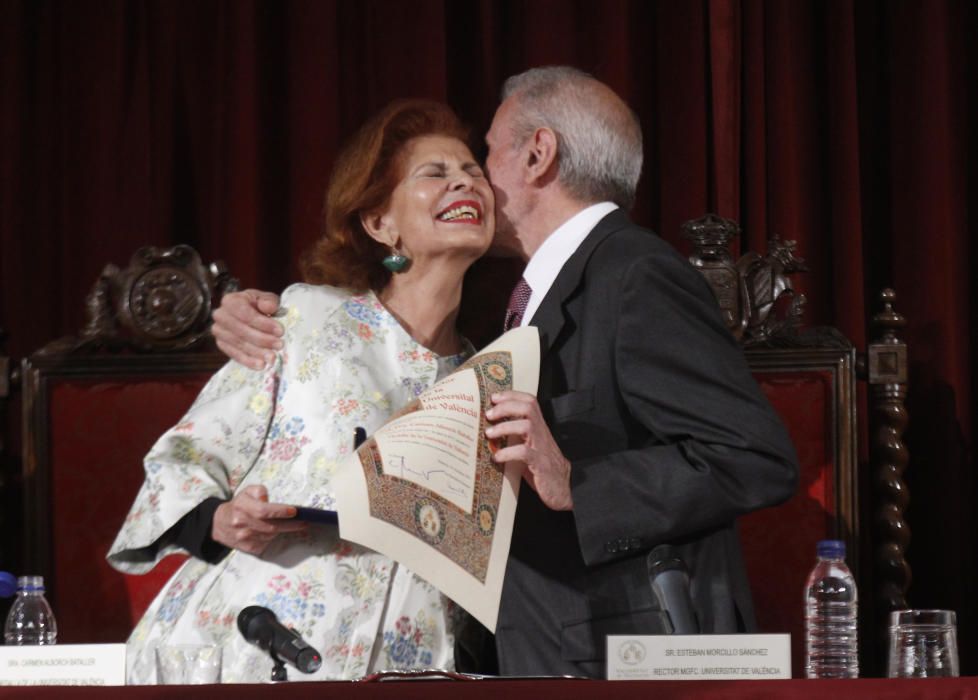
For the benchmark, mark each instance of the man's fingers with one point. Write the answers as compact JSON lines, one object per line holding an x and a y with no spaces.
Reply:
{"x":266,"y":302}
{"x":233,"y":330}
{"x":512,"y":404}
{"x":508,"y":410}
{"x":513,"y":453}
{"x":254,"y":360}
{"x":262,"y":330}
{"x":519,"y":396}
{"x":250,"y":304}
{"x":244,"y":322}
{"x":520,"y":427}
{"x":241,"y":350}
{"x":243,"y":329}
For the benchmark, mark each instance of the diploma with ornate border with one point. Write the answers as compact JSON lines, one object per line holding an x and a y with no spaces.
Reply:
{"x":424,"y":490}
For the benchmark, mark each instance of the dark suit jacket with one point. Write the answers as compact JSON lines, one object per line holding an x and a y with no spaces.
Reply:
{"x":670,"y":439}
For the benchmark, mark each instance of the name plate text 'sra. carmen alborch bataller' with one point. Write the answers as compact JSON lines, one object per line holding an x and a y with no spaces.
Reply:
{"x":424,"y":491}
{"x":63,"y":664}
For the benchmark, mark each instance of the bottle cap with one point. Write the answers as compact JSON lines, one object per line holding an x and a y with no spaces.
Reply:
{"x":8,"y":584}
{"x":30,"y":583}
{"x":831,"y":549}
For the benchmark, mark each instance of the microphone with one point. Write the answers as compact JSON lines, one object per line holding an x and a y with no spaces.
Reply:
{"x":669,"y":578}
{"x":259,"y":626}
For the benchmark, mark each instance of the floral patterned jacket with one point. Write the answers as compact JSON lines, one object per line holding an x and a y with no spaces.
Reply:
{"x":346,"y":363}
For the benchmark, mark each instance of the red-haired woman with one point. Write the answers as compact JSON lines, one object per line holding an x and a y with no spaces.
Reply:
{"x":407,"y":212}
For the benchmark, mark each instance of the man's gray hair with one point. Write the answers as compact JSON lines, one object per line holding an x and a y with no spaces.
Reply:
{"x":599,"y":141}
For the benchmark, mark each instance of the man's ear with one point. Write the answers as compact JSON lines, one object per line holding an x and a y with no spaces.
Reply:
{"x":541,"y":155}
{"x":378,"y":226}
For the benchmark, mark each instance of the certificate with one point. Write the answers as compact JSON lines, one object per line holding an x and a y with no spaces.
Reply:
{"x":424,"y":490}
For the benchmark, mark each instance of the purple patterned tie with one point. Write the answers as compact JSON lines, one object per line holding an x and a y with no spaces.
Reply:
{"x":517,"y":304}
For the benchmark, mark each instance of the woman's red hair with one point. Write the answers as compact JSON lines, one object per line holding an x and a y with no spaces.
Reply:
{"x":364,"y":176}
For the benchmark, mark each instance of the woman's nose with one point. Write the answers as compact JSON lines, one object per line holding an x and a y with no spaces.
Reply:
{"x":462,"y":182}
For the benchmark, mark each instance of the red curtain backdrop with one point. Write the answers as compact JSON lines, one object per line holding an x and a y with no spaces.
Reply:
{"x":843,"y":125}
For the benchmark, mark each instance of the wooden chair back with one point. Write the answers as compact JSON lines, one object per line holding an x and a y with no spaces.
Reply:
{"x":810,"y":377}
{"x":93,"y":406}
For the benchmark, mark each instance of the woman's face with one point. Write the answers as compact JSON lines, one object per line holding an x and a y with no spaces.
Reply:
{"x":443,"y":206}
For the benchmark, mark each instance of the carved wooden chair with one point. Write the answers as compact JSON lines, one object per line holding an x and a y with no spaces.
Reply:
{"x":93,"y":406}
{"x":810,"y":377}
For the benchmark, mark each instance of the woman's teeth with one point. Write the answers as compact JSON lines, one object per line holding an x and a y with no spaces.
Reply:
{"x":462,"y":212}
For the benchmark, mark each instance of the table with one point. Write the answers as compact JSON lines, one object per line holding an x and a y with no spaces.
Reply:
{"x":513,"y":689}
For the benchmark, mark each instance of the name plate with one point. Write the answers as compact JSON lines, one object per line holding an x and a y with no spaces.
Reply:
{"x":63,"y":664}
{"x":698,"y":657}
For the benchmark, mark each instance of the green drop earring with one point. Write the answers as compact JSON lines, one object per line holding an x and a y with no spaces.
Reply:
{"x":395,"y":262}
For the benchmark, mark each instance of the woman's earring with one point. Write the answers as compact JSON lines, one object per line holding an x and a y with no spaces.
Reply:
{"x":395,"y":262}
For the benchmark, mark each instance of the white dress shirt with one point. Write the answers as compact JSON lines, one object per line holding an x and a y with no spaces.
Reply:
{"x":556,"y":250}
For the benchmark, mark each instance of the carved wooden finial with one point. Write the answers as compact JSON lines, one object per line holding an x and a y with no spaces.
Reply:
{"x":161,"y":301}
{"x":711,"y":236}
{"x":888,"y":320}
{"x":887,"y":355}
{"x":755,"y":293}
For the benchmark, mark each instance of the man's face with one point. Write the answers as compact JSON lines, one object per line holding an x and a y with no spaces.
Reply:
{"x":505,"y":174}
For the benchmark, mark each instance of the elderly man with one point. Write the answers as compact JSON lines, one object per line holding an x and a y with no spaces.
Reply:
{"x":648,"y":429}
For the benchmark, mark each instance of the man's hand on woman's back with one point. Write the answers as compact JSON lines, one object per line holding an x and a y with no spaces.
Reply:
{"x":244,"y":329}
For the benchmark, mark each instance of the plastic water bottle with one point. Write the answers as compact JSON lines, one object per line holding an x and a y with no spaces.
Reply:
{"x":831,"y":650}
{"x":30,"y":620}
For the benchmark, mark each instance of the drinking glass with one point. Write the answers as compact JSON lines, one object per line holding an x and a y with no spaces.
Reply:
{"x":923,"y":644}
{"x":188,"y":664}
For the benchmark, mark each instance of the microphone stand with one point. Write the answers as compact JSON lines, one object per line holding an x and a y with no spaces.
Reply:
{"x":278,"y":670}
